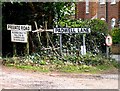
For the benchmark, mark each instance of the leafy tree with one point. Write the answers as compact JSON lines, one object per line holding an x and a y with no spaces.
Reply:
{"x":97,"y":25}
{"x":26,"y":13}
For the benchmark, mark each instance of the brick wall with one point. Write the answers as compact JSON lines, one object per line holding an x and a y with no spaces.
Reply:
{"x":81,"y":10}
{"x":113,"y":12}
{"x":101,"y":11}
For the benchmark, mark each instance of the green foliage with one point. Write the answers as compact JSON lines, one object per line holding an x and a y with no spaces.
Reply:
{"x":95,"y":41}
{"x":88,"y":63}
{"x":88,"y":59}
{"x":97,"y":25}
{"x":37,"y":60}
{"x":66,"y":68}
{"x":23,"y":13}
{"x":115,"y":35}
{"x":72,"y":23}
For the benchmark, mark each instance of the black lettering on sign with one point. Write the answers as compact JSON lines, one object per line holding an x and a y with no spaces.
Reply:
{"x":57,"y":30}
{"x":24,"y":27}
{"x":73,"y":30}
{"x":65,"y":30}
{"x":69,"y":30}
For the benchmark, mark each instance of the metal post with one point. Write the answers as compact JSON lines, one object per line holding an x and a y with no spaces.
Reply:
{"x":83,"y":39}
{"x":107,"y":51}
{"x":14,"y":49}
{"x":84,"y":48}
{"x":61,"y":44}
{"x":28,"y":43}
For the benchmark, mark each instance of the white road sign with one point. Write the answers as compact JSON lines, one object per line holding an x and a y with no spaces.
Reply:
{"x":71,"y":30}
{"x":19,"y":36}
{"x":19,"y":27}
{"x":108,"y":40}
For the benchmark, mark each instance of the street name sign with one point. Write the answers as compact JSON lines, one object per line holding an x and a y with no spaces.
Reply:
{"x":71,"y":30}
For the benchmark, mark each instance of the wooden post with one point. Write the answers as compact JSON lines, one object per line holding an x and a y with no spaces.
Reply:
{"x":27,"y":43}
{"x":14,"y":49}
{"x":107,"y":51}
{"x":46,"y":34}
{"x":38,"y":33}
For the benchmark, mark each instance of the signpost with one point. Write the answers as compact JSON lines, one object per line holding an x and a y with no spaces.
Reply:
{"x":108,"y":43}
{"x":19,"y":33}
{"x":72,"y":31}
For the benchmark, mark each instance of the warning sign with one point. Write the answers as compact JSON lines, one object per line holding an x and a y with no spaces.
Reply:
{"x":19,"y":36}
{"x":108,"y":40}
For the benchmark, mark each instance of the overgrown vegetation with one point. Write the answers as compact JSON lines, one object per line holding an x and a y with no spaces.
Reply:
{"x":44,"y":46}
{"x":88,"y":63}
{"x":22,"y":13}
{"x":55,"y":14}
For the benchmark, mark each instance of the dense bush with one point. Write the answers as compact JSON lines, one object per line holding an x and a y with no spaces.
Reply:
{"x":115,"y":35}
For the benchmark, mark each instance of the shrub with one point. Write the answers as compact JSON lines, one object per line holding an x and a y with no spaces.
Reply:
{"x":115,"y":35}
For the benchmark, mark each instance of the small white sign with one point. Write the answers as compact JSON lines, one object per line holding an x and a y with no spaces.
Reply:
{"x":71,"y":30}
{"x":19,"y":27}
{"x":19,"y":36}
{"x":108,"y":40}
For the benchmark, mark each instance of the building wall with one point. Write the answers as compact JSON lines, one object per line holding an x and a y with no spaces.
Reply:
{"x":101,"y":11}
{"x":113,"y":12}
{"x":81,"y":10}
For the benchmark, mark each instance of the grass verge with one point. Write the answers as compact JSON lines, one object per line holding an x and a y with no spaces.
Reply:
{"x":66,"y":68}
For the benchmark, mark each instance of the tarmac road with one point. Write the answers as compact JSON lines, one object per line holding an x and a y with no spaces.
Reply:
{"x":20,"y":79}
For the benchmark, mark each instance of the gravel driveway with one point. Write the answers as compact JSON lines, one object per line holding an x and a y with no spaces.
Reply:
{"x":18,"y":79}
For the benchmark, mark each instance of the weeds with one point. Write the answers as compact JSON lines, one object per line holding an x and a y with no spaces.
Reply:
{"x":86,"y":63}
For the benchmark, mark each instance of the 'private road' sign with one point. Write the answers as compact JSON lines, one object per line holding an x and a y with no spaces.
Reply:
{"x":71,"y":30}
{"x":19,"y":36}
{"x":19,"y":27}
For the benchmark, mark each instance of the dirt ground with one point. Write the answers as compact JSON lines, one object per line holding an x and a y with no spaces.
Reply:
{"x":12,"y":78}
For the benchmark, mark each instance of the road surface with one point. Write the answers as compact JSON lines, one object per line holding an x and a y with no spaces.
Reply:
{"x":12,"y":78}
